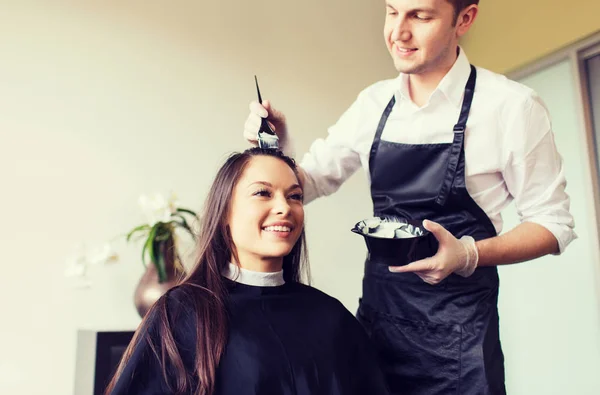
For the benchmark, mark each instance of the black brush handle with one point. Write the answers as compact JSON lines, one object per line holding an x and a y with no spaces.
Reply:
{"x":264,"y":125}
{"x":258,"y":90}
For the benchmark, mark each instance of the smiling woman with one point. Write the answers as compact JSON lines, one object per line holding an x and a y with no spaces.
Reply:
{"x":267,"y":215}
{"x":242,"y":322}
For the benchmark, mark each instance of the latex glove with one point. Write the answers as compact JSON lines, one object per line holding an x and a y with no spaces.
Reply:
{"x":453,"y":256}
{"x":276,"y":120}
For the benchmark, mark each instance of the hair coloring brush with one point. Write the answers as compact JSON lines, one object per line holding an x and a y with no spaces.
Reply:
{"x":266,"y":136}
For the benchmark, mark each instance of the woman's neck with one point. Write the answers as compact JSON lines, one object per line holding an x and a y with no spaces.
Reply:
{"x":258,"y":264}
{"x":260,"y":279}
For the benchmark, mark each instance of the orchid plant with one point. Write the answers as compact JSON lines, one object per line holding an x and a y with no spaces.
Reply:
{"x":163,"y":217}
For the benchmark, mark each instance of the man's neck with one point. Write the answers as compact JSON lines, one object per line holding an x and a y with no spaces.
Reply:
{"x":422,"y":85}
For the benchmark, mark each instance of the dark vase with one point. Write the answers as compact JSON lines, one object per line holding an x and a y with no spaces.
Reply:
{"x":149,"y":289}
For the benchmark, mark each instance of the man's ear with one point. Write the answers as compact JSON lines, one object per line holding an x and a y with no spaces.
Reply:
{"x":465,"y":19}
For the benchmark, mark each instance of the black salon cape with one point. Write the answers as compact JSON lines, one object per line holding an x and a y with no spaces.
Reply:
{"x":289,"y":339}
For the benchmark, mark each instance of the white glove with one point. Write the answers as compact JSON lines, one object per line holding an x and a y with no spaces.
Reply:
{"x":276,"y":120}
{"x":472,"y":258}
{"x":453,"y":256}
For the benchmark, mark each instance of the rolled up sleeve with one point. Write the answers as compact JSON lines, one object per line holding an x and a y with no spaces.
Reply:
{"x":534,"y":174}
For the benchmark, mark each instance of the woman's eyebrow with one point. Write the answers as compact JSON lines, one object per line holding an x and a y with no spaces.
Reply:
{"x":268,"y":184}
{"x":261,"y":183}
{"x":295,"y":186}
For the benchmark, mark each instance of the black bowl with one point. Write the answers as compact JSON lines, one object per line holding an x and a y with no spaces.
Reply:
{"x":401,"y":251}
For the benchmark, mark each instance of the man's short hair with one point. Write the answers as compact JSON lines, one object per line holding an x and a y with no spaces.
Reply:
{"x":460,"y":5}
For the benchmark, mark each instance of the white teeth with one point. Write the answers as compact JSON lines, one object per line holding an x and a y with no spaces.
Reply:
{"x":277,"y":229}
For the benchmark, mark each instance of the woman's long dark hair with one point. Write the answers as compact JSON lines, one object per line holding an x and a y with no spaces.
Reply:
{"x":206,"y":289}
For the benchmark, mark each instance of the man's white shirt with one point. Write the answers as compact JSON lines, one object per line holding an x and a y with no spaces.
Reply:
{"x":510,"y":152}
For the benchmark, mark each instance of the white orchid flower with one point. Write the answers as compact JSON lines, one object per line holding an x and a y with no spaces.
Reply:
{"x":173,"y":202}
{"x":102,"y":255}
{"x":156,"y":208}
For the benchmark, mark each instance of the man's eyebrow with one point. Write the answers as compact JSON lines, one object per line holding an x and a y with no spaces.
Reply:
{"x":426,"y":10}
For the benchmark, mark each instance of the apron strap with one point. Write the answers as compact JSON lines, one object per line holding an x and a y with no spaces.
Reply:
{"x":456,"y":152}
{"x":377,"y":138}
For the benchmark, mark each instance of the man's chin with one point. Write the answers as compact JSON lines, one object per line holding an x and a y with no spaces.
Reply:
{"x":404,"y":68}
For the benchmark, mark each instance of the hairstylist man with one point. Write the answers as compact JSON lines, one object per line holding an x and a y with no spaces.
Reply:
{"x":452,"y":145}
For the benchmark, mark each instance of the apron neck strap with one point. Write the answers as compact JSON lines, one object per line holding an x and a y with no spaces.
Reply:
{"x":457,"y":150}
{"x":380,"y":127}
{"x":461,"y":125}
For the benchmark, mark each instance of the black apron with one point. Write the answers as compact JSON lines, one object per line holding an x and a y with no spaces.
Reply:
{"x":431,"y":339}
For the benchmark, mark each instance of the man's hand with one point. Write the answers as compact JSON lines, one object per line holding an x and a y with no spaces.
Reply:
{"x":275,"y":118}
{"x":453,"y":256}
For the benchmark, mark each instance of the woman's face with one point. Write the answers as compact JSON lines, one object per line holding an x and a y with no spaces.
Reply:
{"x":266,"y":215}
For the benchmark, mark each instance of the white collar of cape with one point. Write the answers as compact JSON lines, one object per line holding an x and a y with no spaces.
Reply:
{"x":250,"y":277}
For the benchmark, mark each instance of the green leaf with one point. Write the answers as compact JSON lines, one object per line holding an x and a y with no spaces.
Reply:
{"x":137,"y":229}
{"x":183,"y":224}
{"x":187,"y":228}
{"x":187,"y":211}
{"x":149,"y":242}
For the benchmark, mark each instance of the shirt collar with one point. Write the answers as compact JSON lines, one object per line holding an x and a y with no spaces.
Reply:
{"x":452,"y":86}
{"x":454,"y":82}
{"x":249,"y":277}
{"x":403,"y":86}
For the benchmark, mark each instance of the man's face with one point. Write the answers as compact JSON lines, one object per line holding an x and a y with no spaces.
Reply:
{"x":420,"y":35}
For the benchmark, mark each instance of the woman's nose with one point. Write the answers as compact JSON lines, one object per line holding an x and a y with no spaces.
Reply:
{"x":281,"y":206}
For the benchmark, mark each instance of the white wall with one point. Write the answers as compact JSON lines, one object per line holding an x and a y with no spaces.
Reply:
{"x":549,"y":311}
{"x":101,"y":101}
